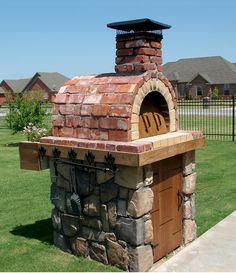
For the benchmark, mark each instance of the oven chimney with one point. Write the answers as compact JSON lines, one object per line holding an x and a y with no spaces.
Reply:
{"x":138,"y":45}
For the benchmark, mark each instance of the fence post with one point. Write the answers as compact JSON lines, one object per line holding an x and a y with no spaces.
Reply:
{"x":233,"y":119}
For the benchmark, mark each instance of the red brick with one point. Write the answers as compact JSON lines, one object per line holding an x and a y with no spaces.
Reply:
{"x":134,"y":148}
{"x":123,"y":124}
{"x":61,"y":98}
{"x":119,"y":135}
{"x":137,"y":43}
{"x":156,"y":44}
{"x":120,"y":44}
{"x":111,"y":146}
{"x":110,"y":98}
{"x":66,"y":109}
{"x":124,"y":68}
{"x":156,"y":60}
{"x":83,"y":133}
{"x":92,"y":144}
{"x":120,"y":111}
{"x":77,"y":109}
{"x":106,"y":88}
{"x":100,"y":110}
{"x":86,"y":110}
{"x":69,"y":121}
{"x":99,"y":135}
{"x":124,"y":52}
{"x":92,"y":99}
{"x":89,"y":122}
{"x":125,"y":88}
{"x":62,"y":141}
{"x":146,"y":51}
{"x":77,"y":121}
{"x":58,"y":120}
{"x":101,"y":145}
{"x":120,"y":60}
{"x":66,"y":132}
{"x":76,"y":98}
{"x":108,"y":123}
{"x":145,"y":67}
{"x":55,"y":131}
{"x":55,"y":109}
{"x":160,"y":68}
{"x":126,"y":99}
{"x":71,"y":82}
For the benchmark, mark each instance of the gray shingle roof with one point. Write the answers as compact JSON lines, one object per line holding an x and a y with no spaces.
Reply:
{"x":2,"y":90}
{"x":53,"y":80}
{"x":216,"y":70}
{"x":17,"y":86}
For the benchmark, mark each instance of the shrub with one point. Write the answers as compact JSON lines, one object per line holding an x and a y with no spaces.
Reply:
{"x":33,"y":133}
{"x":25,"y":109}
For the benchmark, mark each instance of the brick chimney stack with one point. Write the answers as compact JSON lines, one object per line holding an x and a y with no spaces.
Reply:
{"x":138,"y":45}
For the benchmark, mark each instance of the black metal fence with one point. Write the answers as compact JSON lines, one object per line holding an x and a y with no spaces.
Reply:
{"x":215,"y":117}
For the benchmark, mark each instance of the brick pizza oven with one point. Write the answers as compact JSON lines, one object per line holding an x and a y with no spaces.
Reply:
{"x":123,"y":174}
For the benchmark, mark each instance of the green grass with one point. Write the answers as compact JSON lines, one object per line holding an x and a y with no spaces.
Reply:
{"x":216,"y":187}
{"x":25,"y":225}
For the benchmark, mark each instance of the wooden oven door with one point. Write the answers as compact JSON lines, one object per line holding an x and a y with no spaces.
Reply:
{"x":167,"y":206}
{"x":151,"y":123}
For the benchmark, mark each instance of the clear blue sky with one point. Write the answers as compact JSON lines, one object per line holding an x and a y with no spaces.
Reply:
{"x":71,"y":37}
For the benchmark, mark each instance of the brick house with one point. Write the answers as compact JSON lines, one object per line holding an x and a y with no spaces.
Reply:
{"x":198,"y":77}
{"x":50,"y":83}
{"x":41,"y":81}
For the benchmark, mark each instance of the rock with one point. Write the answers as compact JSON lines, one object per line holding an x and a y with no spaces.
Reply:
{"x":122,"y":207}
{"x":92,"y":234}
{"x":73,"y":204}
{"x":109,"y":191}
{"x":141,"y":202}
{"x":189,"y":231}
{"x":63,"y":179}
{"x":187,"y":210}
{"x":58,"y":197}
{"x":117,"y":255}
{"x":61,"y":241}
{"x":140,"y":258}
{"x":148,"y":232}
{"x":92,"y":205}
{"x":85,"y":181}
{"x":123,"y":193}
{"x":98,"y":252}
{"x":189,"y":183}
{"x":148,"y":175}
{"x":129,"y":177}
{"x":79,"y":246}
{"x":104,"y":218}
{"x":130,"y":230}
{"x":112,"y":213}
{"x":70,"y":224}
{"x":56,"y":219}
{"x":188,"y":163}
{"x":92,"y":222}
{"x":111,"y":236}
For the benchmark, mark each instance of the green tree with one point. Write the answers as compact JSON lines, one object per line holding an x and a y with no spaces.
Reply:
{"x":24,"y":109}
{"x":215,"y":93}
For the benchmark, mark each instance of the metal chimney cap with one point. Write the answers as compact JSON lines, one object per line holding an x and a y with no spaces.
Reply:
{"x":144,"y":24}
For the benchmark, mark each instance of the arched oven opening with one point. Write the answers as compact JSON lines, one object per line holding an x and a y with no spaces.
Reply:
{"x":154,"y":115}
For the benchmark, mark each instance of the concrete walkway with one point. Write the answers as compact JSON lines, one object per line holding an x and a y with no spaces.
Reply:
{"x":215,"y":250}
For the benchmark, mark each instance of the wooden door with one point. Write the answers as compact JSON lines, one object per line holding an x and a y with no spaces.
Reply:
{"x":167,"y":210}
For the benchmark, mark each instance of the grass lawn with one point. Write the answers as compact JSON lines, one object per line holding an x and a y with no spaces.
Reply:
{"x":25,"y":225}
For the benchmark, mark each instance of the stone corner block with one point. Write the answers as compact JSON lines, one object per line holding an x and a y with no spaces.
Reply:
{"x":140,"y":258}
{"x":141,"y":202}
{"x":189,"y":231}
{"x":189,"y":183}
{"x":130,"y":230}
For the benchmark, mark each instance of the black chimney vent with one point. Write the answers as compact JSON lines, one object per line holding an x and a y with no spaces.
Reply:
{"x":138,"y":26}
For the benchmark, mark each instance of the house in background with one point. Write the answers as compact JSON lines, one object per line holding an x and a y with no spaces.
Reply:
{"x":48,"y":82}
{"x":2,"y":96}
{"x":198,"y":77}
